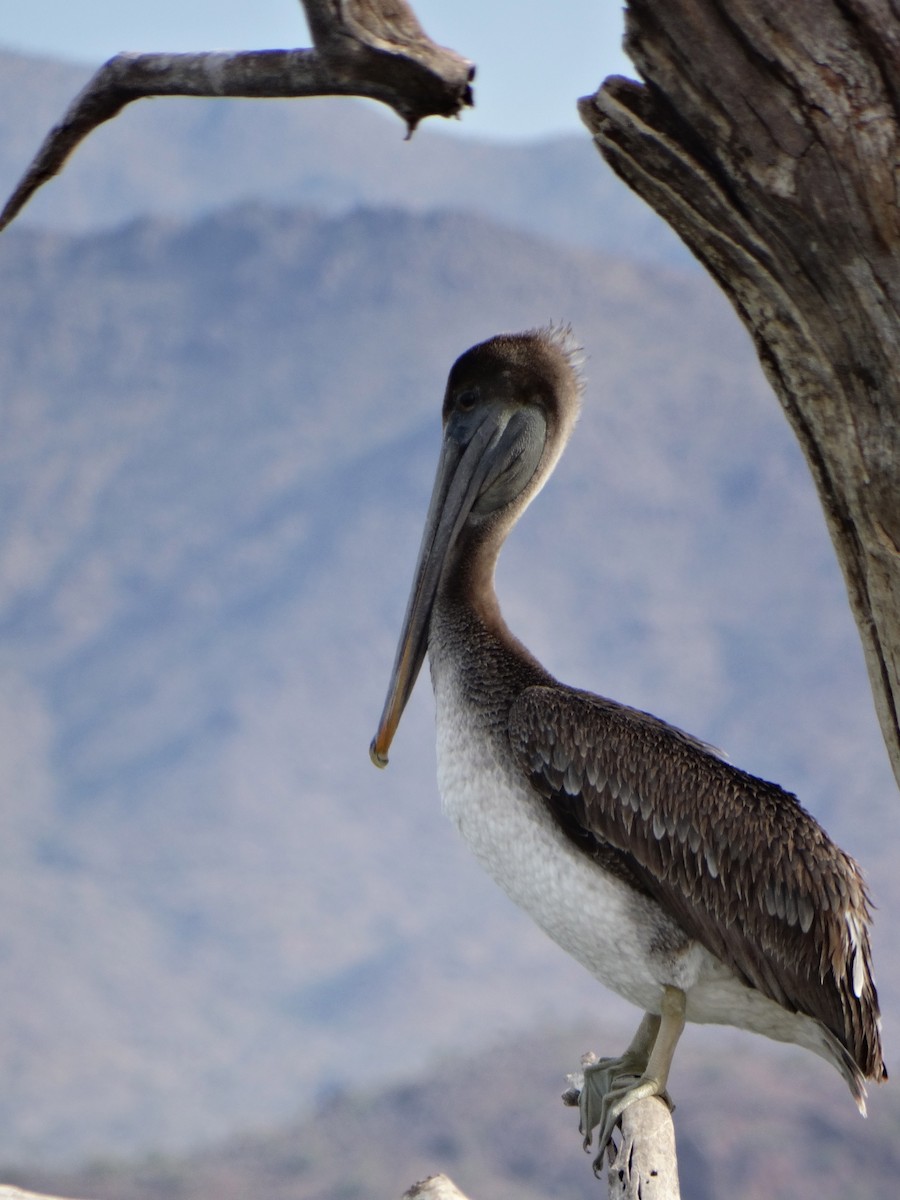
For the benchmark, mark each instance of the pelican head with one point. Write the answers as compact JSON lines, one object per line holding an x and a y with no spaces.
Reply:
{"x":509,"y":408}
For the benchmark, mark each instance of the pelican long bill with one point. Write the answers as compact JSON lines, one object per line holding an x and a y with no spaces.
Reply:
{"x":463,"y":466}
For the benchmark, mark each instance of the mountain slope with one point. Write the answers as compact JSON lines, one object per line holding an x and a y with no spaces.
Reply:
{"x":217,"y":445}
{"x":495,"y":1124}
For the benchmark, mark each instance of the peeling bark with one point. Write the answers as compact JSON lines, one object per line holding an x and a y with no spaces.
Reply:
{"x":645,"y":1166}
{"x":768,"y":135}
{"x":372,"y":48}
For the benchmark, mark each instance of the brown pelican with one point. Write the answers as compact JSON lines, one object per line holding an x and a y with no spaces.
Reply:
{"x":696,"y":891}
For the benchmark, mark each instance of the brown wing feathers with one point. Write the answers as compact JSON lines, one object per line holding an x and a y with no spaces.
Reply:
{"x":737,"y":861}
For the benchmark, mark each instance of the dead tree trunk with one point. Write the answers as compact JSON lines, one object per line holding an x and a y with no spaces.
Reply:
{"x":768,"y":135}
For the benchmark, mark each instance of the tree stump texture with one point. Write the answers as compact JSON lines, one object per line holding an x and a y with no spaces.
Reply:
{"x":768,"y":135}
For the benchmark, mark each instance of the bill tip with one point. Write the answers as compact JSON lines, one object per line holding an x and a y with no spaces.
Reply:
{"x":380,"y":760}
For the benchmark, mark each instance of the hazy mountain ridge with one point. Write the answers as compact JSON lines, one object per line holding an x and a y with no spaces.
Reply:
{"x":184,"y":157}
{"x":212,"y":434}
{"x":495,"y":1124}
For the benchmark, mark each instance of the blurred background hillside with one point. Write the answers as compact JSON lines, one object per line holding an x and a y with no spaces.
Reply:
{"x":226,"y":941}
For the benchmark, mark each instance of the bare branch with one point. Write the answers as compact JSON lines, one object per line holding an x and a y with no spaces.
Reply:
{"x":371,"y":48}
{"x":645,"y":1166}
{"x":768,"y":136}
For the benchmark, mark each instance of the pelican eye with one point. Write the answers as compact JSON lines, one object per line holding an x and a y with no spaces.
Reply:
{"x":467,"y":399}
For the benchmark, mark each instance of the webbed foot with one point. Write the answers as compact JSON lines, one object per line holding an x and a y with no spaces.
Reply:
{"x":625,"y":1091}
{"x":609,"y":1085}
{"x":601,"y":1078}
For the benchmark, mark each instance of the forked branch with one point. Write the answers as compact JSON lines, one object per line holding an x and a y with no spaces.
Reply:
{"x":371,"y":48}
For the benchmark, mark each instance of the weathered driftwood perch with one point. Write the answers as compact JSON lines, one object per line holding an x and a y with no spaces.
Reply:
{"x":371,"y":48}
{"x":643,"y":1166}
{"x":768,"y":136}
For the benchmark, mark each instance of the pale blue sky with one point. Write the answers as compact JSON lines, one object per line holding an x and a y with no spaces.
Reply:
{"x":535,"y":57}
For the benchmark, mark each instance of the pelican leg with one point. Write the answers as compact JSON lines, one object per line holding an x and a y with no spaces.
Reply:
{"x":652,"y":1060}
{"x":601,"y":1075}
